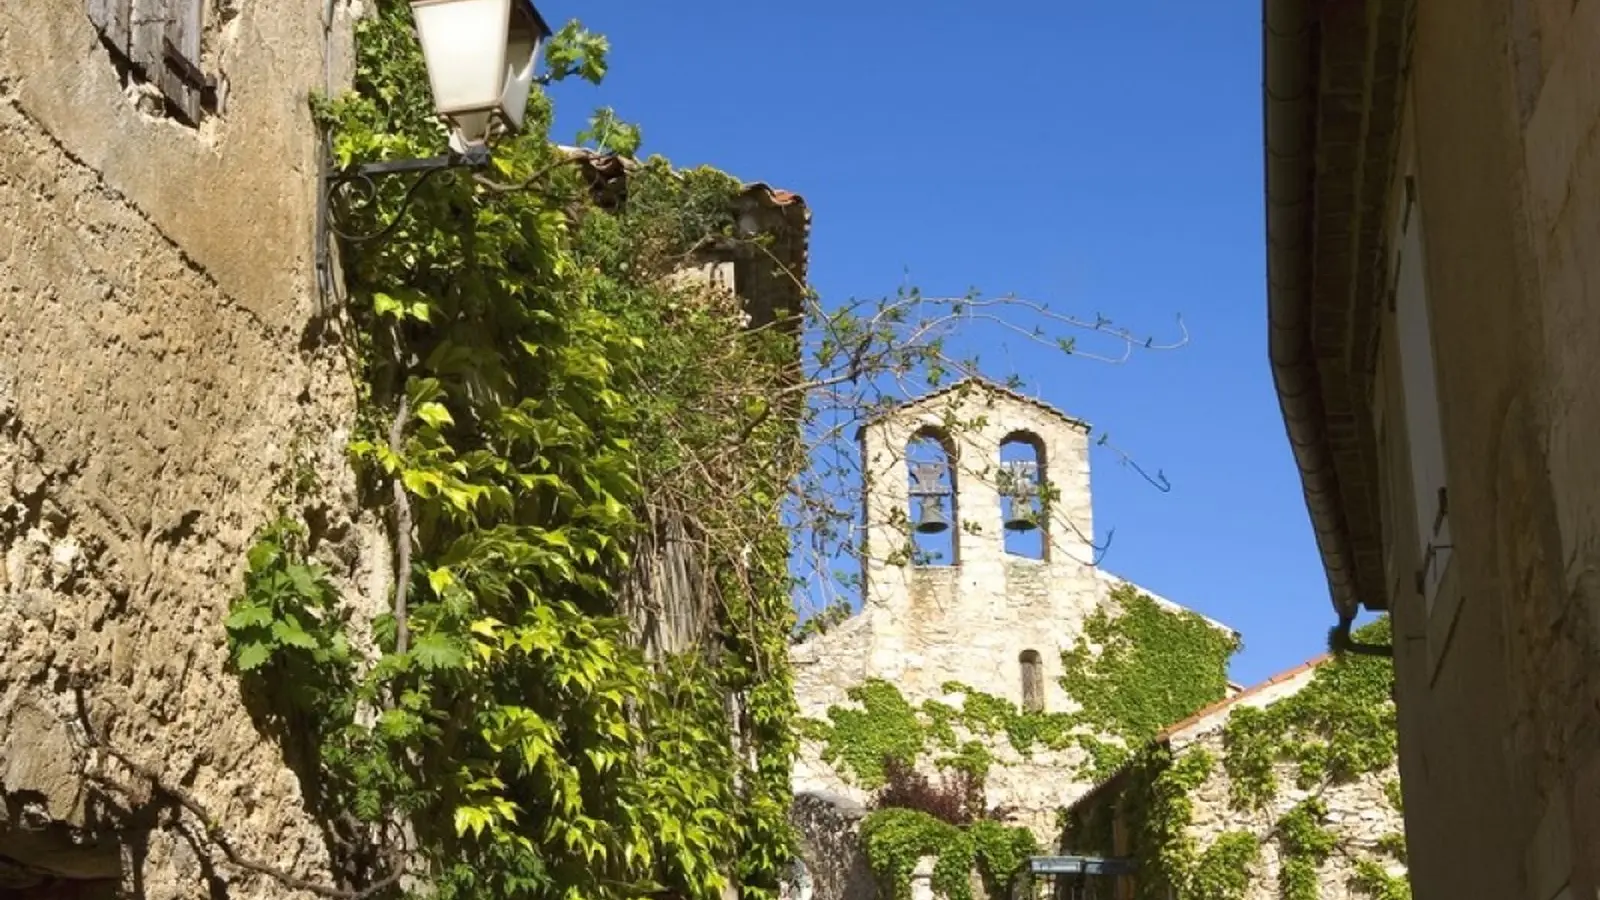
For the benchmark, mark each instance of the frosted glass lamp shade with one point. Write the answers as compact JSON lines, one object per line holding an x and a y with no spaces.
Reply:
{"x":480,"y":56}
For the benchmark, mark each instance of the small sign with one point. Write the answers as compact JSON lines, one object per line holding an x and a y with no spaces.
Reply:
{"x":1079,"y":865}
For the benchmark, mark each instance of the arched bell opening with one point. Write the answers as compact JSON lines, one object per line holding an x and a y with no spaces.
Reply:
{"x":935,"y":527}
{"x":1024,"y":519}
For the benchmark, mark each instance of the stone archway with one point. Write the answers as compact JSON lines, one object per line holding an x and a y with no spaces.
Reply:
{"x":832,"y":865}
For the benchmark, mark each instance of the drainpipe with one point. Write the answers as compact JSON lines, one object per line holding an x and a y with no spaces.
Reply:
{"x":1289,"y":101}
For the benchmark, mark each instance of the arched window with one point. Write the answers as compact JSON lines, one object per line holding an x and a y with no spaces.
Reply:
{"x":934,"y":527}
{"x":1024,"y":525}
{"x":1032,"y":681}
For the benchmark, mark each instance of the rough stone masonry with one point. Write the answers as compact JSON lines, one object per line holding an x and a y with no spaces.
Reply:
{"x":161,"y":369}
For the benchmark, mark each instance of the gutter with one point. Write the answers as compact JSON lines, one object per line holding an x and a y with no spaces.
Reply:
{"x":1289,"y":101}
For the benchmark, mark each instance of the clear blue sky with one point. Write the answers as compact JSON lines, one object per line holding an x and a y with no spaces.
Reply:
{"x":1102,"y":157}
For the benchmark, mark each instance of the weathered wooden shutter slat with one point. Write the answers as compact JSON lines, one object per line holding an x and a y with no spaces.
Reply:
{"x":164,"y":47}
{"x":111,"y":18}
{"x":181,"y":77}
{"x":149,"y":26}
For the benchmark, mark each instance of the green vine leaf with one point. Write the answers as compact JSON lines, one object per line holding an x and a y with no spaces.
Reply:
{"x":252,"y":656}
{"x":610,"y":134}
{"x":435,"y":415}
{"x":437,"y":651}
{"x":574,"y":50}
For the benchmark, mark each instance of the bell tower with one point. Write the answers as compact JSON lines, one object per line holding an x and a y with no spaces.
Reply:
{"x":978,"y":550}
{"x":978,"y":569}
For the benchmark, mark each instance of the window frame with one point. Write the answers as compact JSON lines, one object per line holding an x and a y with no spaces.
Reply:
{"x":1421,"y":412}
{"x":1030,"y":663}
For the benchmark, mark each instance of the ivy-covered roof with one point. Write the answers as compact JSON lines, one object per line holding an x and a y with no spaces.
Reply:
{"x":608,"y":172}
{"x":1114,"y":581}
{"x":1165,"y":736}
{"x":1177,"y":728}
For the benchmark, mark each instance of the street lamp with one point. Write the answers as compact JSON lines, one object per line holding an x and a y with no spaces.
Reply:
{"x":480,"y":56}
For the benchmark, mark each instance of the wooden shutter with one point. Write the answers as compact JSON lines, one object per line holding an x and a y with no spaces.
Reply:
{"x":1420,"y":393}
{"x":111,"y":18}
{"x":160,"y":40}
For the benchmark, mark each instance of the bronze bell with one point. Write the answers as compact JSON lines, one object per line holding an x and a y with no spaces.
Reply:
{"x":929,"y":490}
{"x":1020,"y":491}
{"x":930,"y":515}
{"x":1020,"y":521}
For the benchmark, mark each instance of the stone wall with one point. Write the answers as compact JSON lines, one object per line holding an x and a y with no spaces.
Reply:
{"x":832,"y":865}
{"x":1358,"y":814}
{"x":162,"y":369}
{"x":1553,"y":622}
{"x":1500,"y":737}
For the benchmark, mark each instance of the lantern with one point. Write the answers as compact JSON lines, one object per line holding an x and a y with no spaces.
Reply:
{"x":480,"y":56}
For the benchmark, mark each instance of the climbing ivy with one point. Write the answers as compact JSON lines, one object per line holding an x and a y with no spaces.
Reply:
{"x":1140,"y":667}
{"x":1304,"y":845}
{"x":1223,"y":871}
{"x":883,"y":731}
{"x":1373,"y":880}
{"x":896,"y":839}
{"x":1337,"y":728}
{"x":535,"y":397}
{"x":1161,"y":814}
{"x":884,"y":726}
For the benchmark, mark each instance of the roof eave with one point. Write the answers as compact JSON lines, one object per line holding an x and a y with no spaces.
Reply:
{"x":1289,"y":101}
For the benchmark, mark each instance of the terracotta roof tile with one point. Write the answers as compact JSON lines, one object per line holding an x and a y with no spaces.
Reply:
{"x":1166,"y":733}
{"x":604,"y":168}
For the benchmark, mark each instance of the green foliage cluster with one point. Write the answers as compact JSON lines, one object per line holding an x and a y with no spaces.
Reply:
{"x":883,"y":729}
{"x":1339,"y":727}
{"x":1160,"y":812}
{"x":1223,"y":871}
{"x":1154,"y":796}
{"x":860,"y":741}
{"x":895,"y":839}
{"x":1304,"y":845}
{"x":523,"y":366}
{"x":885,"y":726}
{"x":1372,"y":879}
{"x":1140,"y":668}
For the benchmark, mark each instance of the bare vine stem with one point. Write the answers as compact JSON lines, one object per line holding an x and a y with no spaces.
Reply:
{"x":214,"y":832}
{"x":402,"y":528}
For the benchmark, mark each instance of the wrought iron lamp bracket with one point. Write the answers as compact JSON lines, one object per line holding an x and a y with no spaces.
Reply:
{"x":357,"y":186}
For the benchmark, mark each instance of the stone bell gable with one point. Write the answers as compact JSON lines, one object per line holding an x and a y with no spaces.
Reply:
{"x":982,"y":600}
{"x":970,"y":577}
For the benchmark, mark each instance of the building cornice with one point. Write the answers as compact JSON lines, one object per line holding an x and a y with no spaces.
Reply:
{"x":1331,"y":97}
